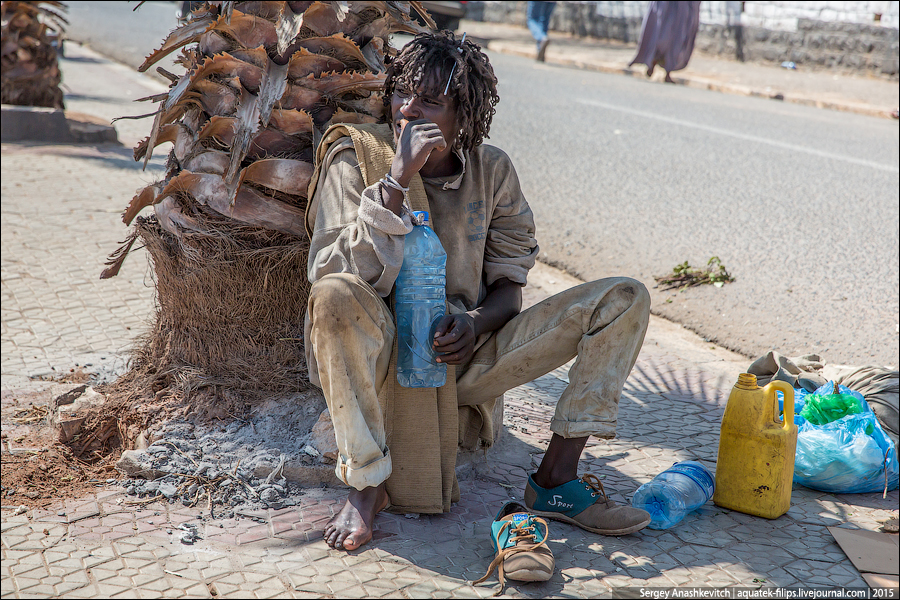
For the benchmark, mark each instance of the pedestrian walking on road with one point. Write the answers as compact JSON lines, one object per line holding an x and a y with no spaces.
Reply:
{"x":397,"y":446}
{"x":539,"y":14}
{"x":667,"y":36}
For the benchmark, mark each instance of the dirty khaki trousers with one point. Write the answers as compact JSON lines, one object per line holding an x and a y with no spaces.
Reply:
{"x":352,"y":331}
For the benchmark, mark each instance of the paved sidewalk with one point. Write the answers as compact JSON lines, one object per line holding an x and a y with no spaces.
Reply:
{"x":825,"y":89}
{"x":60,"y":219}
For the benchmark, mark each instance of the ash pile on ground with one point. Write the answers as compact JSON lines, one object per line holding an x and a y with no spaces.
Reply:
{"x":231,"y":466}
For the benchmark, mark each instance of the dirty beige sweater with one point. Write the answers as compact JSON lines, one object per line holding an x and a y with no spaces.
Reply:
{"x":480,"y":216}
{"x":487,"y":238}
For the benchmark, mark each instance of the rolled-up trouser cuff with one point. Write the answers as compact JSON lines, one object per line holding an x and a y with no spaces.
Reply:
{"x":577,"y":429}
{"x":373,"y":474}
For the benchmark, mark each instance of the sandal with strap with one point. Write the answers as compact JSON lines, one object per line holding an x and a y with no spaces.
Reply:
{"x":522,"y":551}
{"x":583,"y":502}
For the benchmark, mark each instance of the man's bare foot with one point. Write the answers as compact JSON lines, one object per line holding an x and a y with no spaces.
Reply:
{"x":353,"y":526}
{"x":669,"y":79}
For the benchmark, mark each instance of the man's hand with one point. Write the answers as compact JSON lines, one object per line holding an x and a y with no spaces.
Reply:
{"x":454,"y":339}
{"x":417,"y":139}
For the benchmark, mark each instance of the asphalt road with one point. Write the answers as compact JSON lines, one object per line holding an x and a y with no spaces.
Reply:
{"x":125,"y":31}
{"x":628,"y":177}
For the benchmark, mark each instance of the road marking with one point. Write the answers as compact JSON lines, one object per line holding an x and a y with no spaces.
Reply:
{"x":744,"y":136}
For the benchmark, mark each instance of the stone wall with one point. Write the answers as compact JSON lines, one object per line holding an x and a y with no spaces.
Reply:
{"x":854,"y":37}
{"x":785,"y":16}
{"x":608,"y":20}
{"x":844,"y":47}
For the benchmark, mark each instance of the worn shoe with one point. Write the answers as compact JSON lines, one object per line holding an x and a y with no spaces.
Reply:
{"x":583,"y":502}
{"x":542,"y":49}
{"x":521,"y":546}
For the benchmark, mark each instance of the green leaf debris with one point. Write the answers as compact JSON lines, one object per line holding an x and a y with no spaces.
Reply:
{"x":684,"y":275}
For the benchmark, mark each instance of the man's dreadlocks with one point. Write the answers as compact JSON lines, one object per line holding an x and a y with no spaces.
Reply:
{"x":428,"y":60}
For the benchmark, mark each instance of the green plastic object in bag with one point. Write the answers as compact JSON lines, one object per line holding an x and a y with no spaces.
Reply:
{"x":820,"y":409}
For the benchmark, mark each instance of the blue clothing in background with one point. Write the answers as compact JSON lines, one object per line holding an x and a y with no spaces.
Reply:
{"x":539,"y":19}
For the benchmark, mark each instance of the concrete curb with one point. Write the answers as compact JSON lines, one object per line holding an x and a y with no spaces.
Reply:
{"x":21,"y":123}
{"x":88,"y":129}
{"x":526,"y":51}
{"x":40,"y":124}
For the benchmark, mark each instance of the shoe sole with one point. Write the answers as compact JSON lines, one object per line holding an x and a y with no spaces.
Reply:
{"x":565,"y":519}
{"x":528,"y":575}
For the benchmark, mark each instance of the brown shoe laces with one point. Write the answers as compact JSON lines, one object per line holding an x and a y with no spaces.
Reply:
{"x":595,"y":487}
{"x":517,"y":534}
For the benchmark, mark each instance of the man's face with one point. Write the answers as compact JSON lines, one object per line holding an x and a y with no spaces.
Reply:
{"x":425,"y":102}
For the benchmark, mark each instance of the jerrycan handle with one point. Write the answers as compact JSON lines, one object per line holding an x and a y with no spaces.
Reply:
{"x":771,"y":397}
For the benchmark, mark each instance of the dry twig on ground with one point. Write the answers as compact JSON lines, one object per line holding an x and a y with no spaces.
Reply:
{"x":684,"y":275}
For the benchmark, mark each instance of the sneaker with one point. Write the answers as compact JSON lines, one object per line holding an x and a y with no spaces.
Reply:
{"x":542,"y":49}
{"x":583,"y":502}
{"x":521,"y":546}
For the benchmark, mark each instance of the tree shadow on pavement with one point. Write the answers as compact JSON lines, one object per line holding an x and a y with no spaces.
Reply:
{"x":111,"y":155}
{"x":84,"y":59}
{"x":89,"y":98}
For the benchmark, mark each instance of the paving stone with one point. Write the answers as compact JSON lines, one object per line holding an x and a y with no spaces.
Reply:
{"x":31,"y":566}
{"x":136,"y":563}
{"x":41,"y":589}
{"x":213,"y":573}
{"x":227,"y":590}
{"x":24,"y":582}
{"x":66,"y":588}
{"x":314,"y":588}
{"x":147,"y":576}
{"x":65,"y":568}
{"x":87,"y":591}
{"x":355,"y":592}
{"x":197,"y":591}
{"x":263,"y":580}
{"x":269,"y":568}
{"x":121,"y":578}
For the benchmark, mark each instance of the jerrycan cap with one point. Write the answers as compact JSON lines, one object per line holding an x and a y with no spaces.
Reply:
{"x":747,"y":381}
{"x":421,"y":217}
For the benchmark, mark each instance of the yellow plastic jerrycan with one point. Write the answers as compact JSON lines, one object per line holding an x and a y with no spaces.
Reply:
{"x":756,"y":450}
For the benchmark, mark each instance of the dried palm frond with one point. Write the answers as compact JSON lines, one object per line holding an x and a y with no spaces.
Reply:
{"x":261,"y":82}
{"x":30,"y":70}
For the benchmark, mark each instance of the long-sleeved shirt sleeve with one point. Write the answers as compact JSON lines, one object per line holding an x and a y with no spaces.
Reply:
{"x":510,"y":248}
{"x":353,"y":231}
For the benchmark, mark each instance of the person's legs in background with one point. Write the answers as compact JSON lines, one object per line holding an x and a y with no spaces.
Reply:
{"x":539,"y":14}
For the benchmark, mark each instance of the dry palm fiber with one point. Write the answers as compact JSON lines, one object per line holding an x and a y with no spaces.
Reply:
{"x":29,"y":70}
{"x":230,"y":309}
{"x":225,"y":233}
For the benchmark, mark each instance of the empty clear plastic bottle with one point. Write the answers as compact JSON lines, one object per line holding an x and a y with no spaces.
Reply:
{"x":420,"y":301}
{"x":681,"y":489}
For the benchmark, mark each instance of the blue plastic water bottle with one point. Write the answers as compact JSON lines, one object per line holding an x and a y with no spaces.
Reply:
{"x":420,"y":302}
{"x":681,"y":489}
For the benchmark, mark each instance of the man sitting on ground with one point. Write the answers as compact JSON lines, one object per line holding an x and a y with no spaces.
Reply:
{"x":358,"y":222}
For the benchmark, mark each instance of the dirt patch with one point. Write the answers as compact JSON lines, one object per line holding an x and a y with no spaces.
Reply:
{"x":74,"y":375}
{"x":37,"y":479}
{"x":214,"y":449}
{"x":37,"y":470}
